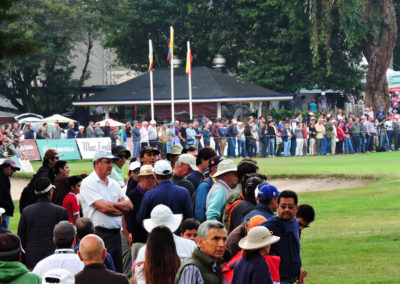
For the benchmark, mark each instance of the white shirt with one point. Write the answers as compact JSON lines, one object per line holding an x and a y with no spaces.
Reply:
{"x":184,"y":249}
{"x":152,"y":130}
{"x":94,"y":189}
{"x":62,"y":258}
{"x":144,"y":135}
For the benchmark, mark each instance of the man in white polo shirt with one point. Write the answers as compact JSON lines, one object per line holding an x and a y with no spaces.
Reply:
{"x":104,"y":202}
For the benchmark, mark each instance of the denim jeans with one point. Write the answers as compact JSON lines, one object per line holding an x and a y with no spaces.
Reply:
{"x":328,"y":146}
{"x":6,"y":221}
{"x":347,"y":146}
{"x":370,"y":142}
{"x":271,"y":147}
{"x":263,"y":148}
{"x":389,"y":134}
{"x":320,"y":142}
{"x":136,"y":146}
{"x":217,"y":147}
{"x":231,"y":147}
{"x":324,"y":146}
{"x":169,"y":145}
{"x":242,"y":149}
{"x":362,"y":144}
{"x":286,"y":147}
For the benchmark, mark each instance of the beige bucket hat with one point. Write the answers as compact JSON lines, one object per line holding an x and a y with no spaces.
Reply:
{"x":224,"y":167}
{"x":257,"y":238}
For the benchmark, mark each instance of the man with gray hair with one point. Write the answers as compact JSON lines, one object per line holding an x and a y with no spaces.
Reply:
{"x":185,"y":164}
{"x":202,"y":267}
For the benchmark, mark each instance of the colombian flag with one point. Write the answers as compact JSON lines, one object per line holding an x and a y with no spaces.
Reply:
{"x":150,"y":62}
{"x":189,"y":61}
{"x":171,"y":46}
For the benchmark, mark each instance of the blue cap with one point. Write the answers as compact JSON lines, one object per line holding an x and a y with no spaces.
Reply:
{"x":267,"y":191}
{"x":381,"y":107}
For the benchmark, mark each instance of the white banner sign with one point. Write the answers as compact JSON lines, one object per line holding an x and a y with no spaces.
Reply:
{"x":89,"y":146}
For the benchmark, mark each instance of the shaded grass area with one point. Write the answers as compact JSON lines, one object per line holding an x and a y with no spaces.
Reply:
{"x":356,"y":235}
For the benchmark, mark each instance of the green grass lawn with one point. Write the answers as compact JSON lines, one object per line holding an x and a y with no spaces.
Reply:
{"x":356,"y":235}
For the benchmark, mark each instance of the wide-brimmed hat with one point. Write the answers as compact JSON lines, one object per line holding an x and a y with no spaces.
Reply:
{"x":162,"y":215}
{"x":257,"y":238}
{"x":175,"y":150}
{"x":225,"y":166}
{"x":146,"y":170}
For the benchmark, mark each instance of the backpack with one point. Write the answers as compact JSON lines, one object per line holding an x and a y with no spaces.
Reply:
{"x":229,"y":209}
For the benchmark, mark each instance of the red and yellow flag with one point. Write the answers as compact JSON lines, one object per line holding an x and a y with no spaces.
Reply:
{"x":189,"y":60}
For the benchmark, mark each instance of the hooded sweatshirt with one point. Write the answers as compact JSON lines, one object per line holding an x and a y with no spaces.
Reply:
{"x":14,"y":272}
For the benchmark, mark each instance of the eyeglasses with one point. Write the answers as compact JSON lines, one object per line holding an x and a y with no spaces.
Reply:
{"x":290,"y":206}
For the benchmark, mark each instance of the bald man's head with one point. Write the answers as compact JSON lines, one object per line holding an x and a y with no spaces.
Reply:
{"x":91,"y":249}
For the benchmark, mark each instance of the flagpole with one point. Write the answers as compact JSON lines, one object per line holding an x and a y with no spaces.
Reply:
{"x":171,"y":30}
{"x":151,"y":79}
{"x":190,"y":81}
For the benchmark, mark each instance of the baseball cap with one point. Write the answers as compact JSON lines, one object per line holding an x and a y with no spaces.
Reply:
{"x":118,"y":150}
{"x":133,"y":166}
{"x":10,"y":163}
{"x":381,"y":107}
{"x":162,"y":168}
{"x":51,"y":153}
{"x":215,"y":161}
{"x":58,"y":275}
{"x":64,"y":231}
{"x":148,"y":149}
{"x":188,"y":159}
{"x":266,"y":191}
{"x":104,"y":155}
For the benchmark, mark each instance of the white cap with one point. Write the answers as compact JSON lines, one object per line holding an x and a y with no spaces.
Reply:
{"x":81,"y":127}
{"x":188,"y":159}
{"x":2,"y":211}
{"x":133,"y":166}
{"x":58,"y":275}
{"x":103,"y":154}
{"x":323,"y":94}
{"x":162,"y":168}
{"x":153,"y":121}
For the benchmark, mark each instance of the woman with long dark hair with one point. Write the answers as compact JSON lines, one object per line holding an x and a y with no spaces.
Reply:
{"x":61,"y":170}
{"x":70,"y":201}
{"x":162,"y":261}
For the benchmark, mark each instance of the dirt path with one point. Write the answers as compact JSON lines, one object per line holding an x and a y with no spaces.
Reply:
{"x":298,"y":185}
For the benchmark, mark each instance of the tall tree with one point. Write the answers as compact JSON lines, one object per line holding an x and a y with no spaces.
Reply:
{"x":368,"y":25}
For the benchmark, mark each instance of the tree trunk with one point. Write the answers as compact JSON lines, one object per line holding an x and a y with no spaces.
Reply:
{"x":378,"y":52}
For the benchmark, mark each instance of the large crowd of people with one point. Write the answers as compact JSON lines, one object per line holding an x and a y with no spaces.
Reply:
{"x":191,"y":217}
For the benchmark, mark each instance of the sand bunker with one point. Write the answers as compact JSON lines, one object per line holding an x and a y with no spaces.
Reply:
{"x":298,"y":184}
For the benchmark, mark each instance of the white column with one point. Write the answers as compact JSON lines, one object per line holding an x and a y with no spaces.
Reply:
{"x":107,"y":112}
{"x":219,"y":110}
{"x":259,"y":109}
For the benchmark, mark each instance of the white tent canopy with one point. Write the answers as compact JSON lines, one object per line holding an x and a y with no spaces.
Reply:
{"x":112,"y":122}
{"x":58,"y":118}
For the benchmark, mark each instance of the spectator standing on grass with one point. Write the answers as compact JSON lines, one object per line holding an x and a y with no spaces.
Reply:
{"x":46,"y":133}
{"x":320,"y":130}
{"x":144,"y":135}
{"x":51,"y":157}
{"x":90,"y":130}
{"x":93,"y":252}
{"x":216,"y":137}
{"x":56,"y":133}
{"x":7,"y":169}
{"x":39,"y":134}
{"x":79,"y":134}
{"x":104,"y":202}
{"x":135,"y":138}
{"x":71,"y":131}
{"x":11,"y":266}
{"x":203,"y":266}
{"x":175,"y":197}
{"x":286,"y":227}
{"x":98,"y":132}
{"x":37,"y":222}
{"x":152,"y":130}
{"x":64,"y":257}
{"x":29,"y":134}
{"x":162,"y":140}
{"x":16,"y":131}
{"x":253,"y":268}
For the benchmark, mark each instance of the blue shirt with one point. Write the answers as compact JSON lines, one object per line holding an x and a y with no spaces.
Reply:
{"x":201,"y":199}
{"x":70,"y":133}
{"x":175,"y":197}
{"x":313,"y":107}
{"x":253,"y":270}
{"x":222,"y":132}
{"x":287,"y":248}
{"x":261,"y":209}
{"x":195,"y":178}
{"x":231,"y":131}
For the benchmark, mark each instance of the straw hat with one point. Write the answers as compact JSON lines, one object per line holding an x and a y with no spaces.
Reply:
{"x":257,"y":238}
{"x":162,"y":215}
{"x":225,"y":166}
{"x":146,"y":170}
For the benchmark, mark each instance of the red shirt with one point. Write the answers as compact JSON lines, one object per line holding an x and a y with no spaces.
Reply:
{"x":71,"y":204}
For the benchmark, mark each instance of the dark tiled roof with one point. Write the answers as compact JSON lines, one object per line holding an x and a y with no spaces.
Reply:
{"x":206,"y":84}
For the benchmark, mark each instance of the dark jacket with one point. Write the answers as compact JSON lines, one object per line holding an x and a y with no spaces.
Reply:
{"x":211,"y":273}
{"x":255,"y":270}
{"x":36,"y":229}
{"x":185,"y":183}
{"x":97,"y":273}
{"x":29,"y":134}
{"x":5,"y":194}
{"x":139,"y":234}
{"x":288,"y":247}
{"x":28,"y":194}
{"x":239,"y":212}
